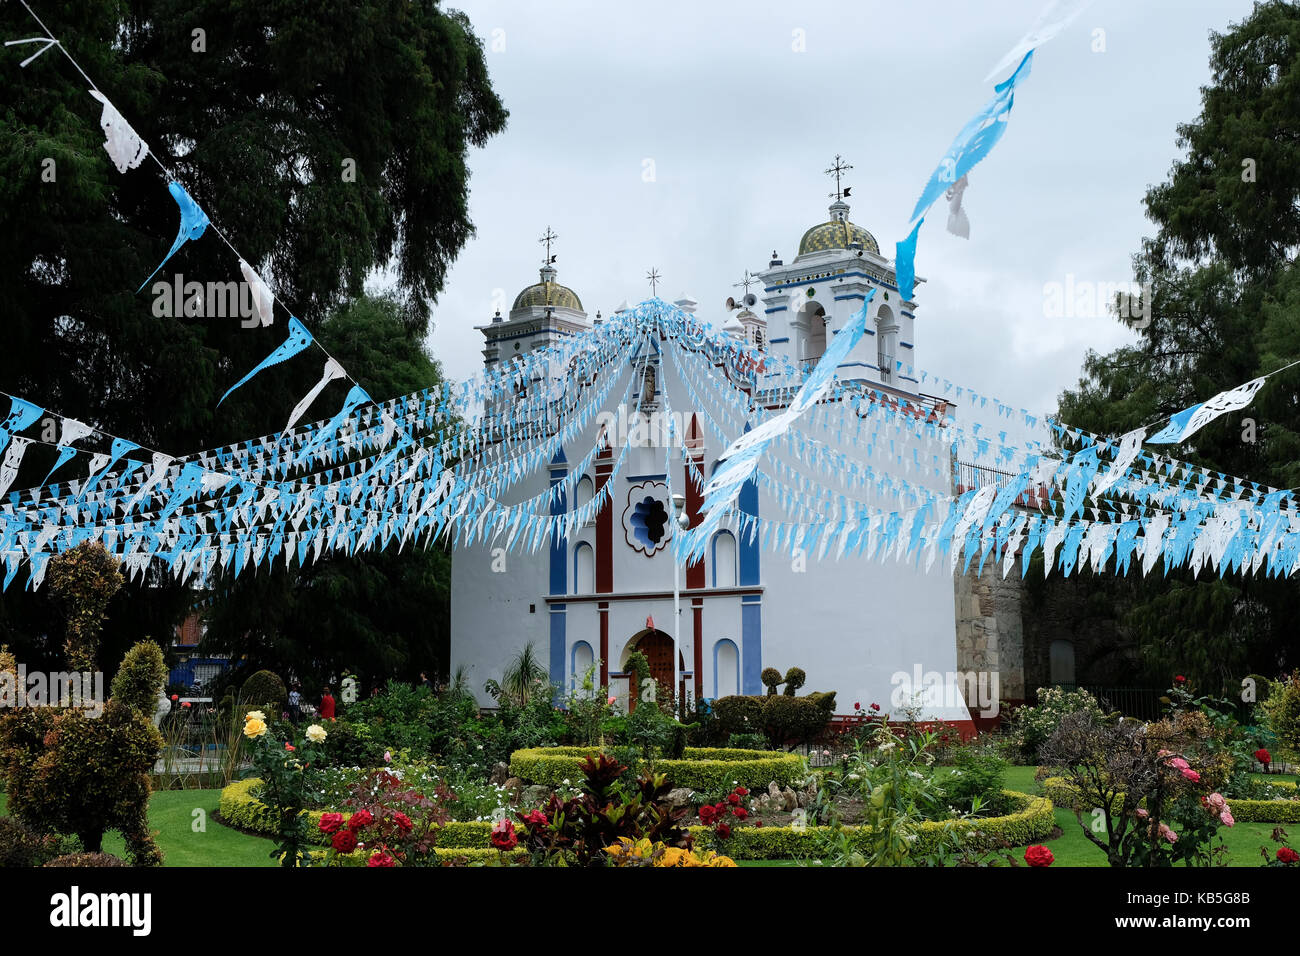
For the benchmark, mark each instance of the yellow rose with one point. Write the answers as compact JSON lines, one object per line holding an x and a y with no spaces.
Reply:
{"x":254,"y":728}
{"x":254,"y":715}
{"x":316,"y":734}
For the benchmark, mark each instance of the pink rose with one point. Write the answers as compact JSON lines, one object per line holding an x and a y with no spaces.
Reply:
{"x":1141,"y":814}
{"x":611,"y":701}
{"x":1226,"y":817}
{"x":1178,"y":763}
{"x":1191,"y":775}
{"x":1216,"y":801}
{"x":1168,"y":834}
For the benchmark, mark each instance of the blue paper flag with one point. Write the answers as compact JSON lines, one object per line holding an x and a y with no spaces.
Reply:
{"x":905,"y":263}
{"x":193,"y":221}
{"x":299,"y":338}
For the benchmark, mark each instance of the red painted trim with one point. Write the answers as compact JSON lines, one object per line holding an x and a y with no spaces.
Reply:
{"x":604,"y":527}
{"x":603,"y":610}
{"x":694,"y":442}
{"x":649,"y":595}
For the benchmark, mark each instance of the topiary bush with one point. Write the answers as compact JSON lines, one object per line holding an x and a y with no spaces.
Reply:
{"x":1282,"y":708}
{"x":796,"y":719}
{"x":265,"y":689}
{"x":86,"y":859}
{"x":739,"y":714}
{"x":20,"y":846}
{"x":794,"y":679}
{"x":138,"y":679}
{"x":82,"y":582}
{"x":771,"y":678}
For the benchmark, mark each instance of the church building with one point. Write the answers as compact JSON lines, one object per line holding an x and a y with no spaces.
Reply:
{"x":854,"y":625}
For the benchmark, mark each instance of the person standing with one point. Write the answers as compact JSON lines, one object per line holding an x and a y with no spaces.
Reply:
{"x":295,"y":703}
{"x":326,"y":704}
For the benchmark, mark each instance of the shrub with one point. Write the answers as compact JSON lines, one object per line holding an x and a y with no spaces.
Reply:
{"x":1282,"y":707}
{"x":708,"y":770}
{"x":1033,"y":725}
{"x":794,"y":679}
{"x":739,"y":714}
{"x":975,"y":773}
{"x":771,"y":678}
{"x":83,"y":581}
{"x":138,"y":679}
{"x":265,"y":689}
{"x":796,"y":719}
{"x":747,"y":741}
{"x":20,"y":846}
{"x":86,"y":859}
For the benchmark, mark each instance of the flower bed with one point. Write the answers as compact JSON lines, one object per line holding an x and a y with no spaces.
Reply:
{"x":706,"y":769}
{"x":1033,"y":819}
{"x":1061,"y":793}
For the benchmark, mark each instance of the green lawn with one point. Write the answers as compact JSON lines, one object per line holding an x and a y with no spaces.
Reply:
{"x":190,"y":839}
{"x":1073,"y":849}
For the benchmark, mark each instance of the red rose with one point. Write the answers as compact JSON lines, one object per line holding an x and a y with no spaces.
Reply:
{"x":857,"y":705}
{"x":1287,"y":855}
{"x":330,"y":822}
{"x":1263,"y":756}
{"x":361,"y":818}
{"x":733,"y":799}
{"x":403,"y":821}
{"x":740,"y":813}
{"x":503,"y":835}
{"x":1039,"y":856}
{"x":742,"y":791}
{"x":185,"y":703}
{"x":875,"y":707}
{"x":1180,"y":679}
{"x":708,"y":815}
{"x":289,"y":747}
{"x":345,"y":841}
{"x":382,"y":858}
{"x":724,"y":831}
{"x":758,"y":823}
{"x":175,"y":697}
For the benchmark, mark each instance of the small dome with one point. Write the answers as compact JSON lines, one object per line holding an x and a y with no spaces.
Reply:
{"x":547,"y":294}
{"x":836,"y":234}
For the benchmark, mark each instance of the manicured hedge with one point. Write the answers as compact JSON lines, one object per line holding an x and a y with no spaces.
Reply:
{"x":1060,"y":792}
{"x":1033,"y":819}
{"x":707,"y":769}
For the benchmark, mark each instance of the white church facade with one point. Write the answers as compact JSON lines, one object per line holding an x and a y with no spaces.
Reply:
{"x":853,"y":625}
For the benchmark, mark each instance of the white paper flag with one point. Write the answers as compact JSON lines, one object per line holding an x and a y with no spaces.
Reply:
{"x":123,"y":145}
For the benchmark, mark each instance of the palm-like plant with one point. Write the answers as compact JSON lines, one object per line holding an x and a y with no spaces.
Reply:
{"x":523,"y":676}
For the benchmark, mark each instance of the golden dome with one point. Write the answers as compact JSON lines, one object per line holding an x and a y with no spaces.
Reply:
{"x":836,"y":234}
{"x":548,"y":293}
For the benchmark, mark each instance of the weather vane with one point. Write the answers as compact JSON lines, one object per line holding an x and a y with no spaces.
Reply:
{"x":837,"y":170}
{"x":548,"y":238}
{"x":654,"y":277}
{"x":746,"y":282}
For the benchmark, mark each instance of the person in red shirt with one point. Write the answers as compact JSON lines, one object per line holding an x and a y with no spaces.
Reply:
{"x":327,"y":705}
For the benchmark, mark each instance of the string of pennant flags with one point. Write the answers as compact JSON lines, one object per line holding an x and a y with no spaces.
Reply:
{"x":439,"y":464}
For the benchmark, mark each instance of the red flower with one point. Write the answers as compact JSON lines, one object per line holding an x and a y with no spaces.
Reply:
{"x":1287,"y":855}
{"x":758,"y":823}
{"x":1180,"y":679}
{"x":382,"y":858}
{"x":503,"y":835}
{"x":1039,"y":856}
{"x":403,"y":821}
{"x":742,"y":791}
{"x":1263,"y":756}
{"x":289,"y":747}
{"x":330,"y":822}
{"x":857,"y":705}
{"x":740,"y":813}
{"x":875,"y":707}
{"x":536,"y":818}
{"x":361,"y":818}
{"x":724,"y":831}
{"x":175,"y":697}
{"x":345,"y":841}
{"x":708,"y":815}
{"x":733,"y":799}
{"x":186,"y":703}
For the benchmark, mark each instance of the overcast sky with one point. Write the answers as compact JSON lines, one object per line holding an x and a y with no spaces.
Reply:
{"x":739,"y":126}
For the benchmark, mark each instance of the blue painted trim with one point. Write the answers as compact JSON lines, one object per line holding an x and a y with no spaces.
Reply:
{"x":906,"y":345}
{"x":751,"y":645}
{"x":558,"y":616}
{"x":779,"y":308}
{"x":646,"y":477}
{"x":858,"y":364}
{"x":855,"y":295}
{"x":779,"y":341}
{"x":716,"y":646}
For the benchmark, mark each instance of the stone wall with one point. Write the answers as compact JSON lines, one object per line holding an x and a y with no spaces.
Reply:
{"x":990,"y":632}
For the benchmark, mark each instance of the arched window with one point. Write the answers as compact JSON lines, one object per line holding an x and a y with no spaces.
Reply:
{"x":580,"y":659}
{"x":648,"y":387}
{"x":1062,"y":662}
{"x":584,"y":569}
{"x":886,"y":342}
{"x":583,"y":494}
{"x":724,"y":560}
{"x":813,"y":339}
{"x":726,"y":669}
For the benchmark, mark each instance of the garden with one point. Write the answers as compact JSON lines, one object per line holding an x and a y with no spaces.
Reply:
{"x":413,"y":776}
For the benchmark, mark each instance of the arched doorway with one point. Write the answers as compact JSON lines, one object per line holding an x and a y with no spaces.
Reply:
{"x":658,"y":650}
